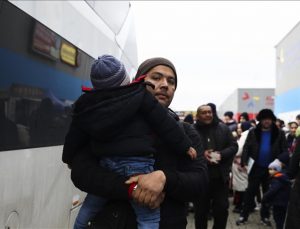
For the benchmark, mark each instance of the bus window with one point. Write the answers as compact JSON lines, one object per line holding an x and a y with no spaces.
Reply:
{"x":41,"y":76}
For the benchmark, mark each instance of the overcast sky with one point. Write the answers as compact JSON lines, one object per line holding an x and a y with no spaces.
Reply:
{"x":215,"y":46}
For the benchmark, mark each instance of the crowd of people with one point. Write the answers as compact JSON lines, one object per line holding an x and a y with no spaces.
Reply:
{"x":263,"y":171}
{"x":141,"y":165}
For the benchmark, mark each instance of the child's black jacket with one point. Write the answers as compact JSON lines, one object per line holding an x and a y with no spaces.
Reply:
{"x":121,"y":121}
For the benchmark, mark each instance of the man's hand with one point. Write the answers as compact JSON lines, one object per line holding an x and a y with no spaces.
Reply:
{"x":207,"y":154}
{"x":192,"y":153}
{"x":156,"y":203}
{"x":149,"y":188}
{"x":215,"y":157}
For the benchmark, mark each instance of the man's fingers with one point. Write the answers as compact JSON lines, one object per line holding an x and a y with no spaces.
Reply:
{"x":135,"y":194}
{"x":144,"y":197}
{"x":208,"y":158}
{"x":147,"y":199}
{"x":132,"y":179}
{"x":141,"y":197}
{"x":155,"y":204}
{"x":152,"y":201}
{"x":149,"y":185}
{"x":156,"y":201}
{"x":192,"y":155}
{"x":195,"y":155}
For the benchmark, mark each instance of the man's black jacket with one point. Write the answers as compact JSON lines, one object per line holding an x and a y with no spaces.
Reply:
{"x":186,"y":180}
{"x":224,"y":143}
{"x":122,"y":121}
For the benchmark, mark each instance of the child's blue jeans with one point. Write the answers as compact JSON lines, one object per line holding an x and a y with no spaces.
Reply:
{"x":127,"y":166}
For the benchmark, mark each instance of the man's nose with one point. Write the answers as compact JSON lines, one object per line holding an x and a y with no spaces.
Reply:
{"x":164,"y":82}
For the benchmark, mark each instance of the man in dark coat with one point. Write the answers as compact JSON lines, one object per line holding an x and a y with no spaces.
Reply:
{"x":120,"y":124}
{"x":263,"y":145}
{"x":177,"y":179}
{"x":220,"y":148}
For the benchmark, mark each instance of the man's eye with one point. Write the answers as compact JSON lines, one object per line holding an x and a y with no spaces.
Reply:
{"x":171,"y":81}
{"x":155,"y":77}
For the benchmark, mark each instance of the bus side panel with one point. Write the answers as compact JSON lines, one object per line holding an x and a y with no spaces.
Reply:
{"x":34,"y":184}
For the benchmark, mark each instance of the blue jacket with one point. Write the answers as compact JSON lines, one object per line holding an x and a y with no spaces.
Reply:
{"x":279,"y":191}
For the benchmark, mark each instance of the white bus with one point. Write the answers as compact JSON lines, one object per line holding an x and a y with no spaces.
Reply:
{"x":46,"y":51}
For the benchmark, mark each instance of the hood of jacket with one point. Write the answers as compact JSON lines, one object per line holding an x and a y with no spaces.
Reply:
{"x":99,"y":112}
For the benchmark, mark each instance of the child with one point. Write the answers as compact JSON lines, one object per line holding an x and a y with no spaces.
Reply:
{"x":116,"y":123}
{"x":277,"y":195}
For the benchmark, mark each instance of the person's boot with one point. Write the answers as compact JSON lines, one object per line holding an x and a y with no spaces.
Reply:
{"x":241,"y":221}
{"x":266,"y":222}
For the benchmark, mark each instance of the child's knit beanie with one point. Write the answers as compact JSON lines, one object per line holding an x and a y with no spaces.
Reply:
{"x":276,"y":165}
{"x":107,"y":72}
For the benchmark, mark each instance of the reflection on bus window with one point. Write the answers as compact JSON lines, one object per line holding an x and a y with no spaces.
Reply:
{"x":48,"y":125}
{"x":41,"y":76}
{"x":8,"y":131}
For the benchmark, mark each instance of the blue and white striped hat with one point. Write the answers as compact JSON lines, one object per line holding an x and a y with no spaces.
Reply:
{"x":107,"y":72}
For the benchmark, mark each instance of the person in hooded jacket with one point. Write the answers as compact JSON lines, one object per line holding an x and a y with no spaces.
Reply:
{"x":278,"y":194}
{"x":117,"y":122}
{"x":220,"y":148}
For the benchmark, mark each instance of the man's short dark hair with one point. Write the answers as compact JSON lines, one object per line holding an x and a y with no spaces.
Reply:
{"x":293,"y":122}
{"x":229,"y":114}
